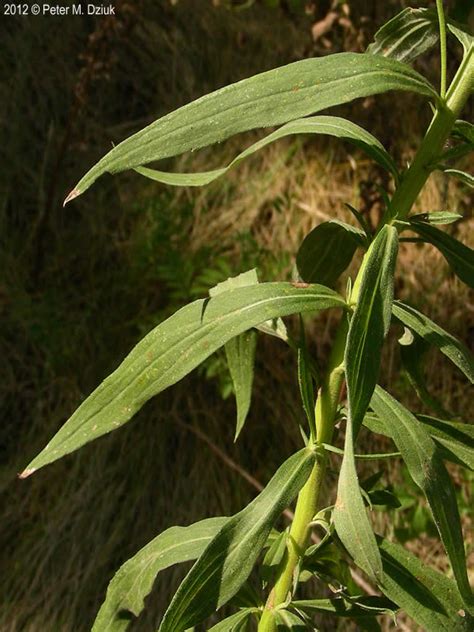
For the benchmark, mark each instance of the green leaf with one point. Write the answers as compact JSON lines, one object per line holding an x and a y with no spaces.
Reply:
{"x":274,"y":556}
{"x":413,"y":357}
{"x":369,"y":323}
{"x":463,"y":176}
{"x":407,"y":35}
{"x":326,"y":125}
{"x":229,"y":558}
{"x":435,"y":335}
{"x":455,"y":439}
{"x":274,"y":327}
{"x":287,"y":620}
{"x":350,"y":515}
{"x":327,"y":251}
{"x":134,"y":580}
{"x":412,"y":32}
{"x":305,"y":382}
{"x":459,"y":256}
{"x":172,"y":350}
{"x":427,"y":470}
{"x":437,"y":217}
{"x":240,"y":353}
{"x":339,"y":607}
{"x":464,"y":130}
{"x":229,"y":624}
{"x":267,"y":99}
{"x":428,"y":597}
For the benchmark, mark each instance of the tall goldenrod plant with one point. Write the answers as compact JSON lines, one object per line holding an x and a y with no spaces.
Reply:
{"x":227,"y":550}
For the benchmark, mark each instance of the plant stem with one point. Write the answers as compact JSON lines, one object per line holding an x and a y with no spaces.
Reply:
{"x":329,"y":393}
{"x":306,"y":508}
{"x":442,"y":45}
{"x":443,"y":120}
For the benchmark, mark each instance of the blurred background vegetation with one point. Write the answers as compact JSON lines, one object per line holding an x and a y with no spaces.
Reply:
{"x":79,"y":286}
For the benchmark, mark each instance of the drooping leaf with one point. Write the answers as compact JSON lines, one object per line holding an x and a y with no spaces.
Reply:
{"x":326,"y":125}
{"x":350,"y":515}
{"x":427,"y":596}
{"x":134,"y":580}
{"x":287,"y":620}
{"x":369,"y":323}
{"x":412,"y":32}
{"x":464,"y":130}
{"x":436,"y":336}
{"x":229,"y":558}
{"x":455,"y":439}
{"x":240,"y":353}
{"x":407,"y":35}
{"x":459,"y":256}
{"x":413,"y":360}
{"x":172,"y":350}
{"x":267,"y":99}
{"x":427,"y":469}
{"x":305,"y":382}
{"x":340,"y":607}
{"x":437,"y":217}
{"x":327,"y":251}
{"x":463,"y":176}
{"x":230,"y":624}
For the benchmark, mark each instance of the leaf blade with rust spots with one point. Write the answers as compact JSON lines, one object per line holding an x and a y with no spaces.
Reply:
{"x":264,"y":100}
{"x":174,"y":349}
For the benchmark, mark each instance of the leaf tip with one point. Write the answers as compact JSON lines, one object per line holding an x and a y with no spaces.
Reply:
{"x":71,"y":195}
{"x":27,"y":472}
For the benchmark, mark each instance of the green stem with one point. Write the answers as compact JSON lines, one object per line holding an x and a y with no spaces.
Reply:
{"x":442,"y":44}
{"x":434,"y":140}
{"x":306,"y":507}
{"x":329,"y":393}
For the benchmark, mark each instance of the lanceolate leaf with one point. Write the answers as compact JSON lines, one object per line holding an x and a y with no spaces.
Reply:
{"x":370,"y":323}
{"x":411,"y":33}
{"x":437,"y":217}
{"x":463,"y":176}
{"x":134,"y":580}
{"x":427,"y":470}
{"x":327,"y":251}
{"x":305,"y":382}
{"x":435,"y":335}
{"x":172,"y":350}
{"x":413,"y":360}
{"x":428,"y":597}
{"x":464,"y":130}
{"x":456,"y":439}
{"x":229,"y":558}
{"x":340,"y":607}
{"x":327,"y":125}
{"x":230,"y":624}
{"x":350,"y":515}
{"x":240,"y":353}
{"x":459,"y":256}
{"x":270,"y":98}
{"x":407,"y":35}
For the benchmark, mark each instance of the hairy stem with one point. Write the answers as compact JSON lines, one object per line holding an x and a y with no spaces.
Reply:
{"x":329,"y":393}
